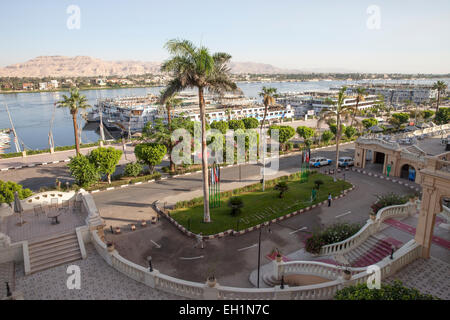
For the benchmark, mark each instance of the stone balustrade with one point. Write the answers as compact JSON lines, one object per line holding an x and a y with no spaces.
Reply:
{"x":370,"y":228}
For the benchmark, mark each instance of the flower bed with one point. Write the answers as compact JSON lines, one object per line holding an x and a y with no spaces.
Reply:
{"x":335,"y":233}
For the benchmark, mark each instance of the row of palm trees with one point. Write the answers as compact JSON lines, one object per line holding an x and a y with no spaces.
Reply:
{"x":195,"y":67}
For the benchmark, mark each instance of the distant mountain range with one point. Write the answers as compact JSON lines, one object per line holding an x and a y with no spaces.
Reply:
{"x":60,"y":66}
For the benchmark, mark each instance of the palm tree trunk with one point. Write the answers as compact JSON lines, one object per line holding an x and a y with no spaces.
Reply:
{"x":338,"y":133}
{"x":264,"y":148}
{"x":75,"y":131}
{"x":438,"y":101}
{"x":169,"y":124}
{"x":206,"y":214}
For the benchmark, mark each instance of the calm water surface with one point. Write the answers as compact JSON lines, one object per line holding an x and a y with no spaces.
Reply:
{"x":32,"y":112}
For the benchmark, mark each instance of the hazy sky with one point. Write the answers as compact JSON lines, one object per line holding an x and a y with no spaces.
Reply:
{"x":413,"y":36}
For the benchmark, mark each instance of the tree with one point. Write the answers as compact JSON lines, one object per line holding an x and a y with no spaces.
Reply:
{"x":397,"y":119}
{"x":339,"y":112}
{"x":282,"y":187}
{"x":161,"y":133}
{"x":250,"y":123}
{"x":442,"y":116}
{"x":84,"y":171}
{"x":306,"y":133}
{"x":360,"y":96}
{"x":368,"y":123}
{"x":327,"y":135}
{"x":193,"y":67}
{"x":105,"y":160}
{"x":171,"y":101}
{"x":269,"y":98}
{"x":75,"y":102}
{"x":350,"y":132}
{"x":440,"y":86}
{"x":133,"y":169}
{"x":222,"y":126}
{"x":150,"y":153}
{"x":236,"y":124}
{"x":427,"y":114}
{"x":8,"y":188}
{"x":284,"y":133}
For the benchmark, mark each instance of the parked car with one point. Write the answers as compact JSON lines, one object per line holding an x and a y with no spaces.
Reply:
{"x":345,"y":162}
{"x":319,"y":161}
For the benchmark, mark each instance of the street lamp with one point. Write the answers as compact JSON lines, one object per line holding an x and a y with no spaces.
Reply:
{"x":149,"y":259}
{"x":8,"y":290}
{"x":259,"y":250}
{"x":392,"y":252}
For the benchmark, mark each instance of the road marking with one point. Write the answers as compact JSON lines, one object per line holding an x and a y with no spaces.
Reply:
{"x":159,"y":246}
{"x":344,"y":214}
{"x":252,"y":246}
{"x":192,"y":258}
{"x":298,"y":230}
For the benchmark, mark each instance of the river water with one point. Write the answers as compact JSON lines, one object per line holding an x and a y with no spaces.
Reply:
{"x":31,"y":113}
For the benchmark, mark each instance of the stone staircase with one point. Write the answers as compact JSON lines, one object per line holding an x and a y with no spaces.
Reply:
{"x":369,"y":252}
{"x":53,"y":251}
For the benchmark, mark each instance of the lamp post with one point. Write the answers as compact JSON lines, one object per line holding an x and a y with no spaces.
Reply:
{"x":259,"y":252}
{"x":8,"y":290}
{"x":392,"y":252}
{"x":282,"y":282}
{"x":149,"y":259}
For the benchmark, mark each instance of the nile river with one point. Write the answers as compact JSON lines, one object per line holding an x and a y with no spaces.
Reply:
{"x":32,"y":112}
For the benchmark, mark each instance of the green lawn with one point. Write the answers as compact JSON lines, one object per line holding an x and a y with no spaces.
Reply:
{"x":259,"y":206}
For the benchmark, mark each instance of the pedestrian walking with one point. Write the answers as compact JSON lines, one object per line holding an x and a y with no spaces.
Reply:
{"x":329,"y":199}
{"x":200,"y":241}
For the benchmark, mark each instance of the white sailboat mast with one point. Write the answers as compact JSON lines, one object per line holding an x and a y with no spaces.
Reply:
{"x":16,"y":139}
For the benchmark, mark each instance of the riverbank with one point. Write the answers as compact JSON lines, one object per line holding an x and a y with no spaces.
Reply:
{"x":80,"y":88}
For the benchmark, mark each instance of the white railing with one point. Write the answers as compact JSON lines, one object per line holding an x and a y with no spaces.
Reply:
{"x":194,"y":290}
{"x":380,"y":142}
{"x":370,"y":228}
{"x":320,"y":269}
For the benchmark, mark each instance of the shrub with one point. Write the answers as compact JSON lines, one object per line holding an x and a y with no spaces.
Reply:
{"x":84,"y":171}
{"x":8,"y":188}
{"x":388,"y":199}
{"x":289,"y":146}
{"x":133,"y":169}
{"x":335,"y":233}
{"x":150,"y":153}
{"x":327,"y":135}
{"x":442,"y":116}
{"x":236,"y":204}
{"x":367,"y":123}
{"x":250,"y":123}
{"x":318,"y":183}
{"x":394,"y":291}
{"x":105,"y":160}
{"x":236,"y":124}
{"x":282,"y":187}
{"x":222,"y":126}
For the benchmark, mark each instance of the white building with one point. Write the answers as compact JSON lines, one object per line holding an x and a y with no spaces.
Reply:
{"x":43,"y":86}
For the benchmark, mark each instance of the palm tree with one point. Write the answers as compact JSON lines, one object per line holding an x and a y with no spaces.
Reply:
{"x":195,"y":67}
{"x":339,"y":112}
{"x":75,"y":102}
{"x":170,"y":102}
{"x":440,"y":86}
{"x":268,"y":94}
{"x":360,"y":96}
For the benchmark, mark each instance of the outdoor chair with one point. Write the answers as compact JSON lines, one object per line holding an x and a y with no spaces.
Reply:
{"x":54,"y":204}
{"x":38,"y":210}
{"x":76,"y":206}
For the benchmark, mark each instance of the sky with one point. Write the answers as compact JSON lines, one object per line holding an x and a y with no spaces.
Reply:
{"x":405,"y":36}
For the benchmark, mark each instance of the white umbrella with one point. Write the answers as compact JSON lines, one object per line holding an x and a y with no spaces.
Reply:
{"x":18,"y":207}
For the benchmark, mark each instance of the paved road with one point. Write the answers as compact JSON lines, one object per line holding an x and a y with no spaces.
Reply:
{"x":45,"y":176}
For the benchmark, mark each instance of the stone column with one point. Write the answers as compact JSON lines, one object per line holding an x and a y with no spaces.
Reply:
{"x":424,"y":232}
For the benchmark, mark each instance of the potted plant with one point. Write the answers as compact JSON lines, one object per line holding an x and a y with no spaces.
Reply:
{"x":133,"y":227}
{"x":347,"y":275}
{"x":279,"y":257}
{"x":211,"y":281}
{"x":110,"y":246}
{"x":144,"y":223}
{"x":373,"y":215}
{"x":117,"y":230}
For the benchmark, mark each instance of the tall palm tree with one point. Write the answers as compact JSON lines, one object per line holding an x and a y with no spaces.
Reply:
{"x":170,"y":102}
{"x":360,"y":96}
{"x":340,"y":113}
{"x":268,"y":94}
{"x":440,"y":86}
{"x":75,"y":102}
{"x":196,"y":67}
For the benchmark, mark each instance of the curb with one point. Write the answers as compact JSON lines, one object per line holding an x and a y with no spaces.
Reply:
{"x":232,"y":232}
{"x":386,"y":178}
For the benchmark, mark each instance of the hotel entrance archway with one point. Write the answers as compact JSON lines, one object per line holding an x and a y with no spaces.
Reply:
{"x":408,"y":172}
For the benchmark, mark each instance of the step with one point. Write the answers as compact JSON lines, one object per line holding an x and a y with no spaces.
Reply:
{"x":58,"y":260}
{"x":50,"y":254}
{"x":46,"y":242}
{"x":55,"y":263}
{"x":270,"y":280}
{"x":55,"y":245}
{"x":372,"y":240}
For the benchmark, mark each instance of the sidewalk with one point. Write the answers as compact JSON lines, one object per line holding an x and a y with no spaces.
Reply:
{"x":58,"y":156}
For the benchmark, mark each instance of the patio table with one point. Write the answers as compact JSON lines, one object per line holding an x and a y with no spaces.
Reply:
{"x":54,"y":216}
